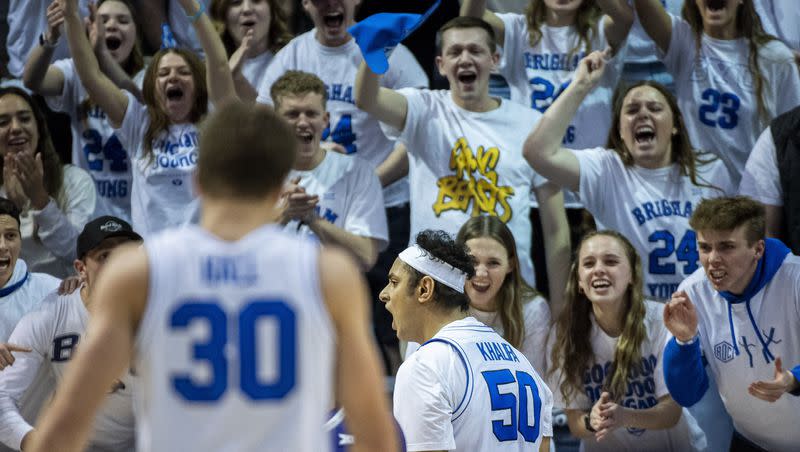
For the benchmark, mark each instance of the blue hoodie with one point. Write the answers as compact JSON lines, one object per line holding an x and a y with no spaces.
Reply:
{"x":684,"y":374}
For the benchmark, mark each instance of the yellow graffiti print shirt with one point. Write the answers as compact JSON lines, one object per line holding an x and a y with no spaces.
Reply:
{"x":464,"y":164}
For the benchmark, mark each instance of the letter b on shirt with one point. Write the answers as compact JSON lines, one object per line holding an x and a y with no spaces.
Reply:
{"x":64,"y":347}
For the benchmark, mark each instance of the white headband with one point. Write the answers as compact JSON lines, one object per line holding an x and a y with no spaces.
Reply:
{"x":422,"y":261}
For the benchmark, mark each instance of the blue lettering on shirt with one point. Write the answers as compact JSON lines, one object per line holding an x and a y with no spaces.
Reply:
{"x":342,"y":93}
{"x":661,"y":208}
{"x":494,"y":351}
{"x":235,"y":270}
{"x":552,"y":61}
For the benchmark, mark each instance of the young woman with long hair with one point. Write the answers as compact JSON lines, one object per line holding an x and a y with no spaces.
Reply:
{"x":731,"y":77}
{"x":95,"y":147}
{"x":498,"y":296}
{"x":605,"y":365}
{"x":160,"y":134}
{"x":252,"y":32}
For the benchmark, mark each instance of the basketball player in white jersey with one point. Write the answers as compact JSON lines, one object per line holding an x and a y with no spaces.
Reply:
{"x":53,"y":331}
{"x":236,"y":329}
{"x":466,"y":388}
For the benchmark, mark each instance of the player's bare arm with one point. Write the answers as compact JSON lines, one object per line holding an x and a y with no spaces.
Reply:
{"x":117,"y":304}
{"x":359,"y":382}
{"x":385,"y":104}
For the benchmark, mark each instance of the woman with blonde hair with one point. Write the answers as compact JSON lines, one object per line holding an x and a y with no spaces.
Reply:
{"x":605,"y":361}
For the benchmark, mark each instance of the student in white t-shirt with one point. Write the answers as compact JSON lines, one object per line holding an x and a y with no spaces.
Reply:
{"x":541,"y":50}
{"x":731,"y":78}
{"x":498,"y":297}
{"x":465,"y":147}
{"x":55,"y":200}
{"x":606,"y":356}
{"x":780,"y":18}
{"x":52,"y":333}
{"x":335,"y":197}
{"x":252,"y":32}
{"x":644,"y":184}
{"x":95,"y":147}
{"x":451,"y":392}
{"x":161,"y":133}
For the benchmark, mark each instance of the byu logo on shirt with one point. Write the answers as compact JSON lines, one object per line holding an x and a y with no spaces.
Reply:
{"x":723,"y":351}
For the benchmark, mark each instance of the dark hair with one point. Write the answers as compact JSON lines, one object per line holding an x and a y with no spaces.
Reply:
{"x":682,"y":151}
{"x":572,"y":350}
{"x":246,"y":151}
{"x":159,"y":121}
{"x":53,"y":169}
{"x":514,"y":293}
{"x":748,"y":24}
{"x":441,"y":246}
{"x":297,"y":83}
{"x":277,"y":37}
{"x":728,"y":213}
{"x":9,"y":208}
{"x":132,"y":65}
{"x":462,"y":22}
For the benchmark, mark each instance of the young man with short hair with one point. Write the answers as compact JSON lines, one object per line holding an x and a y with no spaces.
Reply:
{"x":52,"y":333}
{"x":333,"y":196}
{"x":459,"y":389}
{"x":465,"y":147}
{"x":742,"y":311}
{"x":241,"y":331}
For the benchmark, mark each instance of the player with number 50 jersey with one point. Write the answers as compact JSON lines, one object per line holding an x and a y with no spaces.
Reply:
{"x":466,"y":388}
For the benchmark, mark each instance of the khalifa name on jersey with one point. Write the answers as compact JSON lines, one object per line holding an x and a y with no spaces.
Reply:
{"x":475,"y":183}
{"x":641,"y":391}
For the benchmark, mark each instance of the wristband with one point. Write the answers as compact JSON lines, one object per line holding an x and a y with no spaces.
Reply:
{"x":587,"y":424}
{"x":689,"y":342}
{"x":199,"y":12}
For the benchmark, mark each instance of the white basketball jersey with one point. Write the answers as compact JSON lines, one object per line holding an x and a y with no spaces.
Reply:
{"x":235,"y":349}
{"x":498,"y":401}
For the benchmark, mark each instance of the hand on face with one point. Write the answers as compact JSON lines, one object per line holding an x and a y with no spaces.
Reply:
{"x":242,"y":53}
{"x":680,"y":317}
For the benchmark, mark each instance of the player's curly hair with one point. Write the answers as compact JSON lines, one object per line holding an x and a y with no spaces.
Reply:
{"x":572,"y":351}
{"x":514,"y":293}
{"x":441,"y":246}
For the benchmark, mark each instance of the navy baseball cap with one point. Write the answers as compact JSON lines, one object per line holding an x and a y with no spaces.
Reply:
{"x":379,"y":34}
{"x":102,"y":228}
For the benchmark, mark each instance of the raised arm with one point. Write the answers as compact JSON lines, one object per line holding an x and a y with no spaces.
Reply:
{"x":108,"y":64}
{"x":39,"y":75}
{"x":359,"y":385}
{"x":543,"y":148}
{"x":656,"y":22}
{"x":101,"y":89}
{"x":555,"y":231}
{"x":395,"y":167}
{"x":118,"y":300}
{"x":385,"y":104}
{"x":218,"y":75}
{"x":477,"y":8}
{"x":620,"y":18}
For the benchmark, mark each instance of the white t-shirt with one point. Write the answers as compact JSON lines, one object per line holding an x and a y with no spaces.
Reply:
{"x":716,"y":91}
{"x":95,"y":147}
{"x":49,"y":235}
{"x":265,"y":379}
{"x":645,"y":386}
{"x":52,"y":332}
{"x":162,"y":194}
{"x":24,"y":293}
{"x":651,"y":207}
{"x":537,"y":76}
{"x":254,"y":69}
{"x":349,"y":196}
{"x":27,"y":19}
{"x":761,"y":179}
{"x":459,"y":389}
{"x":536,"y":315}
{"x":776,"y":311}
{"x":337,"y":67}
{"x":463,"y":164}
{"x":780,"y":18}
